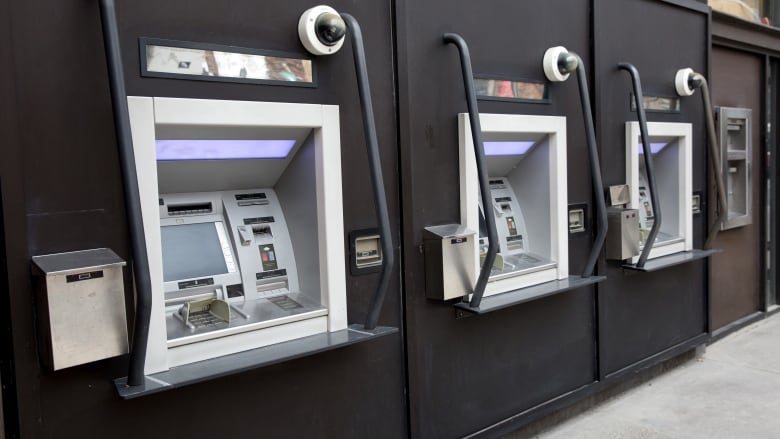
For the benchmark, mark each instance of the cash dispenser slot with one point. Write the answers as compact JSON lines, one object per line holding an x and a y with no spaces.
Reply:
{"x":263,"y":160}
{"x":176,"y":298}
{"x":521,"y":214}
{"x":659,"y":169}
{"x":189,"y":209}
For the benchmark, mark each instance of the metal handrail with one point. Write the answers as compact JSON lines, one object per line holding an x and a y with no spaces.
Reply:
{"x":595,"y":170}
{"x":375,"y":166}
{"x":479,"y":152}
{"x":140,"y":263}
{"x":699,"y":80}
{"x":640,"y":111}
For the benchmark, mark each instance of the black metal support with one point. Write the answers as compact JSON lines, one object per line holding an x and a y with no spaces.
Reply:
{"x":140,"y":262}
{"x":640,"y":111}
{"x":479,"y":153}
{"x":595,"y":170}
{"x":700,"y":81}
{"x":375,"y":166}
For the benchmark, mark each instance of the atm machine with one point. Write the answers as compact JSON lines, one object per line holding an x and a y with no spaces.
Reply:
{"x":243,"y":223}
{"x":654,"y":213}
{"x":237,"y":220}
{"x":526,"y":165}
{"x":670,"y":151}
{"x":515,"y":224}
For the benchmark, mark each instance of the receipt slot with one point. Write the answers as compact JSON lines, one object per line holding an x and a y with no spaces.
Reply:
{"x":242,"y":216}
{"x":526,"y":165}
{"x":671,"y":151}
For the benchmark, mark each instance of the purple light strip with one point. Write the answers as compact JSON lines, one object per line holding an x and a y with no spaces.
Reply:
{"x":507,"y":148}
{"x":655,"y":148}
{"x":233,"y":149}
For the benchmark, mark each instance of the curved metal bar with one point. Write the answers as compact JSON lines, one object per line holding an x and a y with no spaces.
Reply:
{"x":479,"y":153}
{"x":595,"y":170}
{"x":714,"y":160}
{"x":143,"y":283}
{"x":640,"y":111}
{"x":375,"y":166}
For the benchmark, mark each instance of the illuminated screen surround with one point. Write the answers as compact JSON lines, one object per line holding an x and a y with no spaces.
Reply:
{"x":231,"y":149}
{"x":497,"y":148}
{"x":655,"y":148}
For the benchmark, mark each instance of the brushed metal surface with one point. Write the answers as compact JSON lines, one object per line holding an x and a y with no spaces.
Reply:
{"x":450,"y":271}
{"x":623,"y":234}
{"x":83,"y":319}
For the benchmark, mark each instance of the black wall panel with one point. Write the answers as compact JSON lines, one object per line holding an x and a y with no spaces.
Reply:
{"x":62,"y":192}
{"x":641,"y":314}
{"x":466,"y":374}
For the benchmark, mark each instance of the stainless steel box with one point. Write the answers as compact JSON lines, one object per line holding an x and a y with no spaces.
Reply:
{"x":450,"y":270}
{"x":81,"y":307}
{"x":623,"y":233}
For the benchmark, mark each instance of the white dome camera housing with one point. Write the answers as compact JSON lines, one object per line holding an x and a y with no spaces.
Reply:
{"x":682,"y":82}
{"x":551,"y":64}
{"x":322,"y":30}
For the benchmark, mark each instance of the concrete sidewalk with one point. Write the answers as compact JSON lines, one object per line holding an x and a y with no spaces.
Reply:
{"x":732,"y":391}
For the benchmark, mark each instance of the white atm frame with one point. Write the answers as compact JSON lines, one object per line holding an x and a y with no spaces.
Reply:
{"x":554,"y":128}
{"x":683,"y":132}
{"x":146,"y":113}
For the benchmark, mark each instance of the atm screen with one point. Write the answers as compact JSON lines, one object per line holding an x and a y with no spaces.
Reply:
{"x":192,"y":251}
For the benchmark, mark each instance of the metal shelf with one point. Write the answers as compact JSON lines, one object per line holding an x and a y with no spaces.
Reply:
{"x":671,"y":260}
{"x":244,"y":361}
{"x":523,"y":295}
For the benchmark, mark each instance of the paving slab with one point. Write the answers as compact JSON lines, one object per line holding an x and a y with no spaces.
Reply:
{"x":732,"y":391}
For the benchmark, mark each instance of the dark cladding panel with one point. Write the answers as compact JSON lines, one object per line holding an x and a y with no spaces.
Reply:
{"x":736,"y":281}
{"x":477,"y":371}
{"x":641,"y":314}
{"x":68,"y":196}
{"x":467,"y":374}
